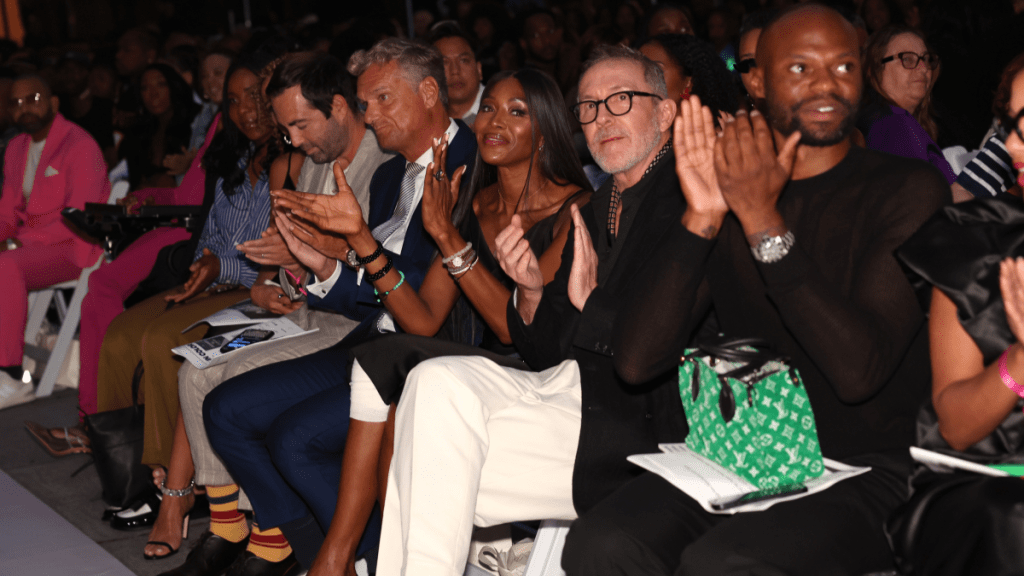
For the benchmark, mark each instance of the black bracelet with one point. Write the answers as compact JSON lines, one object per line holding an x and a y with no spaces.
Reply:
{"x":371,"y":257}
{"x":380,"y":273}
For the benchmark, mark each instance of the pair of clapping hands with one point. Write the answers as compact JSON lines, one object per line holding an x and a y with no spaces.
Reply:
{"x":735,"y":169}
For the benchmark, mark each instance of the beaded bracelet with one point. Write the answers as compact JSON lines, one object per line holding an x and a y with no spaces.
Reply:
{"x":1004,"y":374}
{"x":382,"y":296}
{"x":380,"y":273}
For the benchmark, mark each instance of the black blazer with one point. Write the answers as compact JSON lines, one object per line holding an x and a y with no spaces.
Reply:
{"x":618,"y":419}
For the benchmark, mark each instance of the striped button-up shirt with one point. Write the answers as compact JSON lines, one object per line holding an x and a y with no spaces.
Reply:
{"x":235,"y":219}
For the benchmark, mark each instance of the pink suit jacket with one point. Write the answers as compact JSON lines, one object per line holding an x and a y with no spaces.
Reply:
{"x":71,"y":172}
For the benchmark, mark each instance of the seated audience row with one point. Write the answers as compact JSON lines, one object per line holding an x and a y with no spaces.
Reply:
{"x":543,"y":322}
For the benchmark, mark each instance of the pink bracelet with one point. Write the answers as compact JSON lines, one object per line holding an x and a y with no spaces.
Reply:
{"x":1004,"y":374}
{"x":298,"y":283}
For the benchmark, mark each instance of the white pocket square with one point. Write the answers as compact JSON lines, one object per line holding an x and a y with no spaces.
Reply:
{"x":50,"y":171}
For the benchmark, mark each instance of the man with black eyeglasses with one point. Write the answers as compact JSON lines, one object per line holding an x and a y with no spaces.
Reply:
{"x":478,"y":443}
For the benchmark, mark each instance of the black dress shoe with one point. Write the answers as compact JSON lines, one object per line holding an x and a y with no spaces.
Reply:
{"x":211,"y":556}
{"x":249,"y":564}
{"x":139,"y":514}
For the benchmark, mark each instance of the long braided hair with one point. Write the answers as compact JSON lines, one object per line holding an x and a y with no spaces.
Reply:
{"x":698,"y":60}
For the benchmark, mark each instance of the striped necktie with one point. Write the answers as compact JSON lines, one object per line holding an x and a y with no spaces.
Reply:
{"x":404,"y":205}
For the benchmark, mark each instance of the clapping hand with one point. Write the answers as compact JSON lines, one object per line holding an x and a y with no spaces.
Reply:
{"x":694,"y":141}
{"x":310,"y":257}
{"x":520,"y":263}
{"x":339,"y":213}
{"x":440,"y":196}
{"x":269,"y":249}
{"x":583,"y":274}
{"x":1011,"y":284}
{"x":750,"y":174}
{"x":204,"y":272}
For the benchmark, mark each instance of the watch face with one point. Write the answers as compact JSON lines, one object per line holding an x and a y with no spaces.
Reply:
{"x":456,"y":262}
{"x":353,"y":259}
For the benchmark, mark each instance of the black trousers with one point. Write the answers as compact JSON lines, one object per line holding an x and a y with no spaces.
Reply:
{"x":649,"y":526}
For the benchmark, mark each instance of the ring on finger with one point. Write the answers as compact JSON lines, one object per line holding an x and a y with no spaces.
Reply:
{"x":439,"y":175}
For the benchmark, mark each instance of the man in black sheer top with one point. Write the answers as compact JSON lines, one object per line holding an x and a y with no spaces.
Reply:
{"x":796,"y":249}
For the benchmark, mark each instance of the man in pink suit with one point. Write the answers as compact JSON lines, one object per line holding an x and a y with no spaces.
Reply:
{"x":55,"y":164}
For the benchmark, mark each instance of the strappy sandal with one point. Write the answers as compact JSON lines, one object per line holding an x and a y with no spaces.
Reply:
{"x":184,"y":521}
{"x":74,"y":441}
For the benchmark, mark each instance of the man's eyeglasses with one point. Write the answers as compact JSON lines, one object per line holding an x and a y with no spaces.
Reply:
{"x":910,"y":60}
{"x":29,"y":100}
{"x":746,"y":65}
{"x":618,"y":104}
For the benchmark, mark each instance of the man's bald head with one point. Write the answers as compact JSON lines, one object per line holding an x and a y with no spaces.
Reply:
{"x":804,"y":19}
{"x":808,"y":71}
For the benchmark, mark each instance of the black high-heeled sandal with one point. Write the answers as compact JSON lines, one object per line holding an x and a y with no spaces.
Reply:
{"x":184,"y":521}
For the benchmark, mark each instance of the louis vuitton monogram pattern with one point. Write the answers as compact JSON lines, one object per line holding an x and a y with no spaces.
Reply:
{"x":770,"y":440}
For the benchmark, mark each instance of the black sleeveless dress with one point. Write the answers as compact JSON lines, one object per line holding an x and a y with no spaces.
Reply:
{"x":388,"y":359}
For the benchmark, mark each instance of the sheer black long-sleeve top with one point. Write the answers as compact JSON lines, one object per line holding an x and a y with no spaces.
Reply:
{"x":839,"y":304}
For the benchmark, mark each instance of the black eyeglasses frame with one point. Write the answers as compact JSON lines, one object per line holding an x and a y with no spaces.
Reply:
{"x":930,"y":60}
{"x":597,"y":104}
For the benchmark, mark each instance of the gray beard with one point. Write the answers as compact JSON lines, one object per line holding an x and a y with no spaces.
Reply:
{"x":642,"y":152}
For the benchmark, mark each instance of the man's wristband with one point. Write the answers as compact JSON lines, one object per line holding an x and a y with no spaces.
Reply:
{"x":355,"y":261}
{"x":380,"y":273}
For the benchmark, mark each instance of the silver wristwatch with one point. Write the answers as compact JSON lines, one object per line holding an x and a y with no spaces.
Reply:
{"x":773,"y":248}
{"x":352,"y":258}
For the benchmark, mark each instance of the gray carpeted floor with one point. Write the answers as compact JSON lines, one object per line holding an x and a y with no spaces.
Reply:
{"x":77,"y":499}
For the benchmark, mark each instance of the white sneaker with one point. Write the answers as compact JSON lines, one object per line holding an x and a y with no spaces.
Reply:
{"x":14,"y":392}
{"x":511,"y":562}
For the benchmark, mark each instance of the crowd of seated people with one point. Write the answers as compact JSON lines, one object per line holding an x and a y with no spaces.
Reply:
{"x":501,"y":235}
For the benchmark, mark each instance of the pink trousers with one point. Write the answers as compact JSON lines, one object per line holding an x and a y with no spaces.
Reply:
{"x":109,"y":285}
{"x":31,"y":267}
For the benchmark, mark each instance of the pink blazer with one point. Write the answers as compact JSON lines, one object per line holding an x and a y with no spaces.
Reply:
{"x":71,"y":172}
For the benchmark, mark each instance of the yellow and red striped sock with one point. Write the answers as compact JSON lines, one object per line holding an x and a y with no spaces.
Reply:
{"x":225,"y":519}
{"x":271,"y":545}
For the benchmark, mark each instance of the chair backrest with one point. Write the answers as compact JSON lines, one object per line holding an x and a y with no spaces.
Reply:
{"x":118,"y":172}
{"x":118,"y":191}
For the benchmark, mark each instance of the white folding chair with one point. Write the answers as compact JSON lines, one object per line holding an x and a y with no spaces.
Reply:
{"x":546,"y":555}
{"x":68,"y":311}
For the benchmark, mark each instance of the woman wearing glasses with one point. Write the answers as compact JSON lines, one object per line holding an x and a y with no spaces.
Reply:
{"x":971,"y":253}
{"x":896,"y":112}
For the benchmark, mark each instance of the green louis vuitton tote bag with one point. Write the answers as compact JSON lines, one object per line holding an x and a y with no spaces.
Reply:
{"x":748,"y":411}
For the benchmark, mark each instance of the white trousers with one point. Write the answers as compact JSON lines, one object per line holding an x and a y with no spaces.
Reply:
{"x":476,"y":443}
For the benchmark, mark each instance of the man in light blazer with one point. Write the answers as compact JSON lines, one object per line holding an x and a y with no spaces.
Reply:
{"x":53,"y":165}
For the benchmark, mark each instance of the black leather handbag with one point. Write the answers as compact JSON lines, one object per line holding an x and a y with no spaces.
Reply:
{"x":116,"y":440}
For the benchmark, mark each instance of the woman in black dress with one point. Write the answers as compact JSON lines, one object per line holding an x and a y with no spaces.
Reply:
{"x":526,"y":174}
{"x":971,"y":255}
